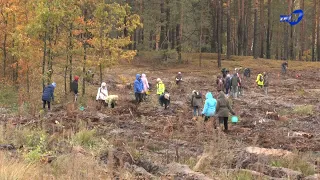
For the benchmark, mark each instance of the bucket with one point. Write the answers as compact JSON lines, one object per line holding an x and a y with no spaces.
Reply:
{"x":81,"y":108}
{"x":234,"y":119}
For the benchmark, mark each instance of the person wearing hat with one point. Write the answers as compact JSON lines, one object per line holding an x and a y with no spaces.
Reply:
{"x":209,"y":108}
{"x":138,"y":88}
{"x":178,"y":78}
{"x":260,"y":80}
{"x":196,"y":103}
{"x":47,"y":95}
{"x":74,"y":87}
{"x":165,"y":99}
{"x":145,"y":86}
{"x":224,"y":72}
{"x":102,"y":94}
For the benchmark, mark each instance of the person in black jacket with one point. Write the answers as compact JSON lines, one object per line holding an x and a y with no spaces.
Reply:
{"x":74,"y":87}
{"x":284,"y":67}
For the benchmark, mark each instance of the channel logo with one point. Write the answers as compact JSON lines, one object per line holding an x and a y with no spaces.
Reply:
{"x":293,"y":19}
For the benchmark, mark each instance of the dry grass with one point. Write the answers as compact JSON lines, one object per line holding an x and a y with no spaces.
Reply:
{"x":70,"y":166}
{"x":297,"y":162}
{"x":304,"y":110}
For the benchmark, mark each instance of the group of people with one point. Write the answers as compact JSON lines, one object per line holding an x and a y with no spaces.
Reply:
{"x":103,"y":97}
{"x":142,"y":87}
{"x":230,"y":83}
{"x":218,"y":109}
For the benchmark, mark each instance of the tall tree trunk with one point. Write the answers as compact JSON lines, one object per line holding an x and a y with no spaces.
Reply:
{"x":247,"y":21}
{"x":178,"y":41}
{"x":255,"y":31}
{"x":239,"y":37}
{"x":179,"y":30}
{"x":262,"y":28}
{"x":28,"y":80}
{"x":291,"y":50}
{"x":70,"y":48}
{"x":151,"y":46}
{"x":234,"y":26}
{"x":286,"y":39}
{"x":167,"y":25}
{"x":219,"y":32}
{"x":135,"y":40}
{"x":4,"y":44}
{"x":141,"y":31}
{"x":314,"y":30}
{"x":200,"y":37}
{"x":318,"y":32}
{"x":65,"y":76}
{"x":277,"y":45}
{"x":44,"y":59}
{"x":214,"y":27}
{"x":241,"y":29}
{"x":84,"y":68}
{"x":302,"y":33}
{"x":228,"y":30}
{"x":101,"y":53}
{"x":268,"y":51}
{"x":221,"y":26}
{"x":173,"y":39}
{"x":162,"y":27}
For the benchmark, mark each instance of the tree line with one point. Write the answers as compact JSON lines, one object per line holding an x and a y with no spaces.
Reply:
{"x":230,"y":27}
{"x":37,"y":34}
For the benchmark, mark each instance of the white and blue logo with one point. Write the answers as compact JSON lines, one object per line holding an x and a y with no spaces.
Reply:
{"x":293,"y":19}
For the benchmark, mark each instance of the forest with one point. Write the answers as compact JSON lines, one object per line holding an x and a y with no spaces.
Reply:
{"x":107,"y":46}
{"x":36,"y":33}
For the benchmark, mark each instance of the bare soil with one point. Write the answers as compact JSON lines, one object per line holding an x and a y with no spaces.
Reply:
{"x":152,"y":137}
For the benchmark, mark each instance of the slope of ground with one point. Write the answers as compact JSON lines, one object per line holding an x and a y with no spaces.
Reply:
{"x":149,"y":142}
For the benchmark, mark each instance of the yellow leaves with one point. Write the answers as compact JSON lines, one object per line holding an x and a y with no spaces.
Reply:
{"x":77,"y":32}
{"x":128,"y":55}
{"x":80,"y":20}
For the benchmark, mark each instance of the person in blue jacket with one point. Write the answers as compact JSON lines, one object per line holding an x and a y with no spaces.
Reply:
{"x":138,"y":88}
{"x":47,"y":95}
{"x":209,"y":108}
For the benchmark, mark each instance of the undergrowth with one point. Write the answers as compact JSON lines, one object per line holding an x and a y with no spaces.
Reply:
{"x":85,"y":138}
{"x":296,"y":162}
{"x":303,"y":110}
{"x":9,"y":98}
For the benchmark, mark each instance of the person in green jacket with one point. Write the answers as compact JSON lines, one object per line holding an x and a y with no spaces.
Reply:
{"x":235,"y":85}
{"x":223,"y":108}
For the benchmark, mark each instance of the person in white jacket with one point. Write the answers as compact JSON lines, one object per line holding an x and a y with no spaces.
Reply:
{"x":102,"y":94}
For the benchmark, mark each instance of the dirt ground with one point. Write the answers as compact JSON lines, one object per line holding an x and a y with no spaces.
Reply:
{"x":152,"y":137}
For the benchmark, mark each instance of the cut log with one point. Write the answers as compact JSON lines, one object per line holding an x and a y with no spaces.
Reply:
{"x":176,"y":171}
{"x":313,"y":177}
{"x":267,"y":152}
